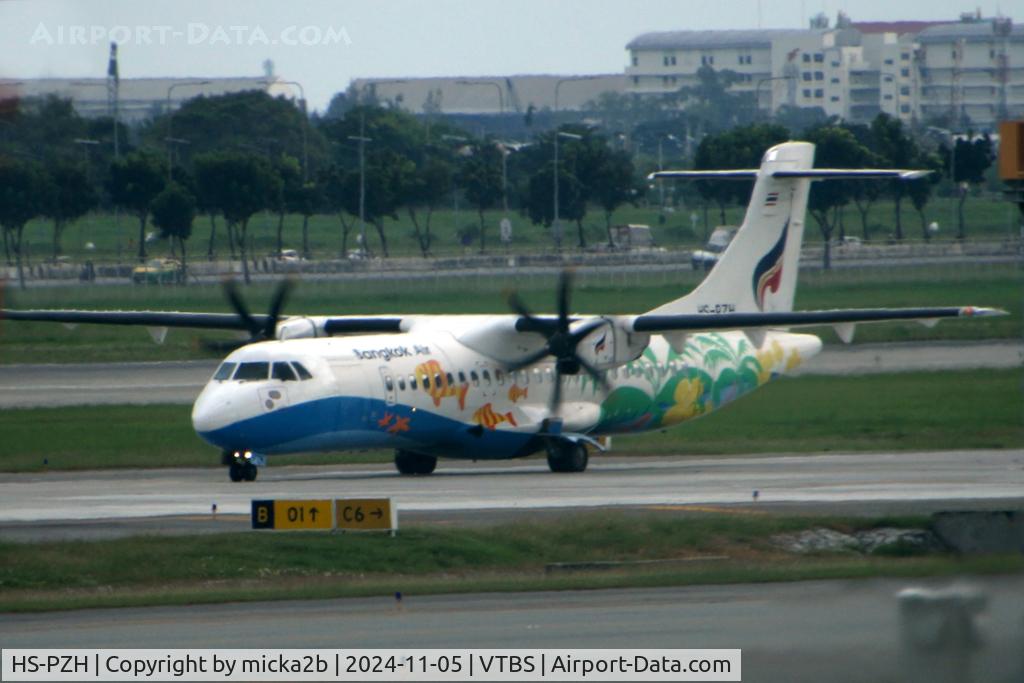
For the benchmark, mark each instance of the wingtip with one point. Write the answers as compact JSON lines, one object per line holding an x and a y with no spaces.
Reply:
{"x":981,"y":311}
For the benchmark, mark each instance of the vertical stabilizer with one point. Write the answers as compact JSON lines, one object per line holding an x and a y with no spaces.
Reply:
{"x":758,"y":271}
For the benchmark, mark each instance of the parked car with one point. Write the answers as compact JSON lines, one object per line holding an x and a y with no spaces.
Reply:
{"x":158,"y":271}
{"x":707,"y":257}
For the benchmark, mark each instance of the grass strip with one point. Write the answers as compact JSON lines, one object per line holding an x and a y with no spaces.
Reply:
{"x":904,"y":411}
{"x":423,"y":560}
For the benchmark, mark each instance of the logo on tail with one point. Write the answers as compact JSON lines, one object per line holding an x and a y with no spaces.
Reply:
{"x":768,"y":273}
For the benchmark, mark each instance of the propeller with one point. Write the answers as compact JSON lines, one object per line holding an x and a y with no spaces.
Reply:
{"x":561,"y":341}
{"x":258,"y":331}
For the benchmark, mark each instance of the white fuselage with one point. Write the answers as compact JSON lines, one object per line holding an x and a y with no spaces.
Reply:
{"x":426,"y":391}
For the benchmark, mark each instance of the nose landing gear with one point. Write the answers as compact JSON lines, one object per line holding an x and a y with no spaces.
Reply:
{"x":242,"y":465}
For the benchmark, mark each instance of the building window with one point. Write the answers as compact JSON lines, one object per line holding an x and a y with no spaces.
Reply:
{"x":905,"y":90}
{"x":905,"y":73}
{"x":669,"y":60}
{"x":807,"y":93}
{"x":807,"y":75}
{"x":807,"y":57}
{"x":636,"y":80}
{"x":888,"y":62}
{"x":707,"y":60}
{"x":819,"y":57}
{"x":835,"y":80}
{"x":819,"y":76}
{"x":905,"y":56}
{"x":636,"y":61}
{"x":887,"y":97}
{"x":905,"y":108}
{"x":819,"y":93}
{"x":835,"y":65}
{"x":835,"y":98}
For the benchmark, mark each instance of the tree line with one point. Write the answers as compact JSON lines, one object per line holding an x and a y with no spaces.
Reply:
{"x":228,"y":157}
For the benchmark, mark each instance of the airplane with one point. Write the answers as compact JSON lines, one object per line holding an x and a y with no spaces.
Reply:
{"x":490,"y":387}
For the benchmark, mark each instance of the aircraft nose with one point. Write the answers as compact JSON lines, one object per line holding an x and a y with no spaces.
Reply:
{"x":211,"y":411}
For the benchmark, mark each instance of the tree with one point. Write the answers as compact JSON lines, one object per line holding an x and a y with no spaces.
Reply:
{"x":72,"y":197}
{"x":738,"y":148}
{"x":289,"y":172}
{"x":135,"y":180}
{"x":971,"y":157}
{"x":480,"y":177}
{"x":339,"y":188}
{"x":920,"y":190}
{"x":23,"y":191}
{"x":245,"y":184}
{"x":541,"y":198}
{"x":897,"y":150}
{"x":305,"y":200}
{"x":835,"y":148}
{"x":426,"y":187}
{"x":174,"y":209}
{"x":610,"y":183}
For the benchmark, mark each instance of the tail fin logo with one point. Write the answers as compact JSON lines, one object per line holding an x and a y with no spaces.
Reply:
{"x":768,"y":273}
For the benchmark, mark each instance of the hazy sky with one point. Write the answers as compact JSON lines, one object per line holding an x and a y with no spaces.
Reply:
{"x":325,"y":44}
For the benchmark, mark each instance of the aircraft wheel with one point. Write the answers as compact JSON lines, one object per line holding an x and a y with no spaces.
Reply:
{"x":235,"y":471}
{"x":407,"y":462}
{"x":568,"y":457}
{"x":249,"y":471}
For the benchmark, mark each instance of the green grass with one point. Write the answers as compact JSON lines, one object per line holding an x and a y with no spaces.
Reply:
{"x":991,"y":285}
{"x":116,"y":239}
{"x":420,"y":560}
{"x":907,"y":411}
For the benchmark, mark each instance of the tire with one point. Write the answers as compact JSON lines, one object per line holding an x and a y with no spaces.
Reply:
{"x":408,"y":463}
{"x":249,"y":471}
{"x":568,"y":457}
{"x":235,"y":471}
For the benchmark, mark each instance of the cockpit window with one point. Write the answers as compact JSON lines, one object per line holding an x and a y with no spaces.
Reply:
{"x":301,"y":369}
{"x":252,"y":371}
{"x":224,"y":371}
{"x":283,"y":372}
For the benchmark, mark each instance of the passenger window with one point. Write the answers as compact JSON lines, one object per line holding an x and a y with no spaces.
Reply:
{"x":537,"y":377}
{"x":437,"y":381}
{"x":474,"y":378}
{"x":524,"y":377}
{"x":301,"y":369}
{"x":401,"y":383}
{"x":426,"y":382}
{"x":548,"y":373}
{"x":248,"y":372}
{"x":462,"y":377}
{"x":283,"y":372}
{"x":412,"y":382}
{"x":389,"y":383}
{"x":451,"y":380}
{"x":500,"y":377}
{"x":487,"y":377}
{"x":224,"y":371}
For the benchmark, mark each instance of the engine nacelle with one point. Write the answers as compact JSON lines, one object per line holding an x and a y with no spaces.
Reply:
{"x":301,"y":328}
{"x":612,"y":344}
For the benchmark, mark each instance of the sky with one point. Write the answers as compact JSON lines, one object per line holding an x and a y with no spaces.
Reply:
{"x":324,"y":44}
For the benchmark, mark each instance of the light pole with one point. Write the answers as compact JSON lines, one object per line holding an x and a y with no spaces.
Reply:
{"x":557,"y":226}
{"x":362,"y":140}
{"x":661,"y":183}
{"x":170,"y":118}
{"x":455,"y":190}
{"x":560,"y":81}
{"x":305,"y":126}
{"x":495,"y":84}
{"x":757,"y":91}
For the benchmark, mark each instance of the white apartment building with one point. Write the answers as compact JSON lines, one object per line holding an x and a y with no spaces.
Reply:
{"x":973,"y":69}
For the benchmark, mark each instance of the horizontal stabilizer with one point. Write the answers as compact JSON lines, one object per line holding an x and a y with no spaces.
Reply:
{"x":809,"y":173}
{"x":741,"y":174}
{"x":735,"y":321}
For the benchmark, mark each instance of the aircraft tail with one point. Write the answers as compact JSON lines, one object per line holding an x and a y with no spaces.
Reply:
{"x":758,"y":270}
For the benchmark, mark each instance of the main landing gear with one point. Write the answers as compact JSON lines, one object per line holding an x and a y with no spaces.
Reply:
{"x":407,"y":462}
{"x":240,"y":465}
{"x":568,"y":456}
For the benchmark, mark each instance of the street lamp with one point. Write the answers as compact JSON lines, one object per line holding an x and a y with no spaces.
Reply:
{"x":661,"y":182}
{"x":558,"y":84}
{"x":557,"y":223}
{"x":495,"y":84}
{"x":362,"y":140}
{"x":170,"y":119}
{"x":305,"y":126}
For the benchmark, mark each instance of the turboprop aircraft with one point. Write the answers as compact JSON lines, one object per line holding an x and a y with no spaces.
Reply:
{"x":507,"y":386}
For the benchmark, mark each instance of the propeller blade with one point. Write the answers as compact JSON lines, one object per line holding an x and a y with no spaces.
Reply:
{"x":529,"y":360}
{"x":530,"y":323}
{"x":556,"y":395}
{"x":235,"y":299}
{"x":564,"y":283}
{"x":276,"y":306}
{"x":594,"y":373}
{"x":577,"y":336}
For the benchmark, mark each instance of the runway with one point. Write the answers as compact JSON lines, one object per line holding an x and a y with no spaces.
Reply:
{"x":460,"y":487}
{"x":27,"y":386}
{"x":805,"y":631}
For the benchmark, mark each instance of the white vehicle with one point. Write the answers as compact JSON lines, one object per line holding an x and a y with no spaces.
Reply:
{"x":289,"y":256}
{"x":507,"y":386}
{"x":706,"y":258}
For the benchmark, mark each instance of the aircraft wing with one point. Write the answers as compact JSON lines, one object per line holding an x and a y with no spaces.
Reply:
{"x":842,"y":319}
{"x":207,"y":321}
